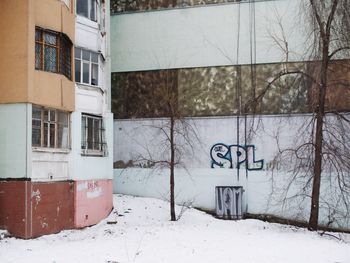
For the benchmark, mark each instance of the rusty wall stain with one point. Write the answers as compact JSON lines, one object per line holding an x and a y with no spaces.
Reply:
{"x":52,"y":207}
{"x":14,"y":198}
{"x":29,"y":209}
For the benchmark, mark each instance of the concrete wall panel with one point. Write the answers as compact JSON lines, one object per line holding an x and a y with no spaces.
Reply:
{"x":47,"y":166}
{"x":13,"y":140}
{"x":205,"y":36}
{"x":93,"y":201}
{"x":90,"y":99}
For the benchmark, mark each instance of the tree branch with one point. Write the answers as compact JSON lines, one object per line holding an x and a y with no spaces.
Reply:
{"x":338,"y":50}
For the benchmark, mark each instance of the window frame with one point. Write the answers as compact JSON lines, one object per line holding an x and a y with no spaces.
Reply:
{"x":44,"y":46}
{"x":100,"y":151}
{"x":79,"y":57}
{"x":47,"y":123}
{"x":63,"y":49}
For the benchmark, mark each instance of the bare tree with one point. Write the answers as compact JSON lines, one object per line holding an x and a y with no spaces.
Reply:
{"x":325,"y":15}
{"x":324,"y":148}
{"x":176,"y":133}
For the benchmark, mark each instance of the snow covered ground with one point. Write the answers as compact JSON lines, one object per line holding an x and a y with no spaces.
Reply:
{"x":143,"y":233}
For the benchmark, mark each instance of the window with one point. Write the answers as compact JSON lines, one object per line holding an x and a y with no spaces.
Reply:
{"x":92,"y":134}
{"x":50,"y":128}
{"x":86,"y":67}
{"x":53,"y":52}
{"x":87,"y":8}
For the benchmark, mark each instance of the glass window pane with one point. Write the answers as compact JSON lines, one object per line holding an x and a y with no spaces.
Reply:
{"x":93,"y":10}
{"x":62,"y":130}
{"x":36,"y":133}
{"x":77,"y":52}
{"x":97,"y":130}
{"x":50,"y":39}
{"x":62,"y":118}
{"x":52,"y":115}
{"x":46,"y":135}
{"x":38,"y":35}
{"x":46,"y":115}
{"x":38,"y":56}
{"x":77,"y":70}
{"x":83,"y":133}
{"x":62,"y":136}
{"x":36,"y":113}
{"x":66,"y":57}
{"x":50,"y":59}
{"x":94,"y":74}
{"x":52,"y":135}
{"x":86,"y":73}
{"x":82,"y":8}
{"x":86,"y":55}
{"x":90,"y":133}
{"x":94,"y":57}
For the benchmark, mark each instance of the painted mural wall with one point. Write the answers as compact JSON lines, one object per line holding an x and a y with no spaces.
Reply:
{"x":223,"y":153}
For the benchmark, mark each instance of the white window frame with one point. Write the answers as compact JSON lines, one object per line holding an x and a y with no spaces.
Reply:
{"x":91,"y":63}
{"x":48,"y":123}
{"x":100,"y":150}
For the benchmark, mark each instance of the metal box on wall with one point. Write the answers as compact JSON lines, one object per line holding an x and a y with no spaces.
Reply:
{"x":229,"y":202}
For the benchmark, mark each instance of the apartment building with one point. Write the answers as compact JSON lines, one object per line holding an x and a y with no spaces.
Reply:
{"x":55,"y":131}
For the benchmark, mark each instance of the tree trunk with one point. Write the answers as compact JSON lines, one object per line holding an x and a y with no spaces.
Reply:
{"x":315,"y":197}
{"x":172,"y":170}
{"x":320,"y":114}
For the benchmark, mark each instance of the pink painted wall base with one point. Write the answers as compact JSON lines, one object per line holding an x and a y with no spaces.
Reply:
{"x":93,"y":201}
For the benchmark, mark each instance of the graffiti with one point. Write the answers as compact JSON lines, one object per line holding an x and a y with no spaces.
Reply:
{"x":229,"y":202}
{"x":92,"y":185}
{"x":235,"y":157}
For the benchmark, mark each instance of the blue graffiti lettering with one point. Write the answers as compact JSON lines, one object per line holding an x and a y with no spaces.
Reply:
{"x":235,"y":157}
